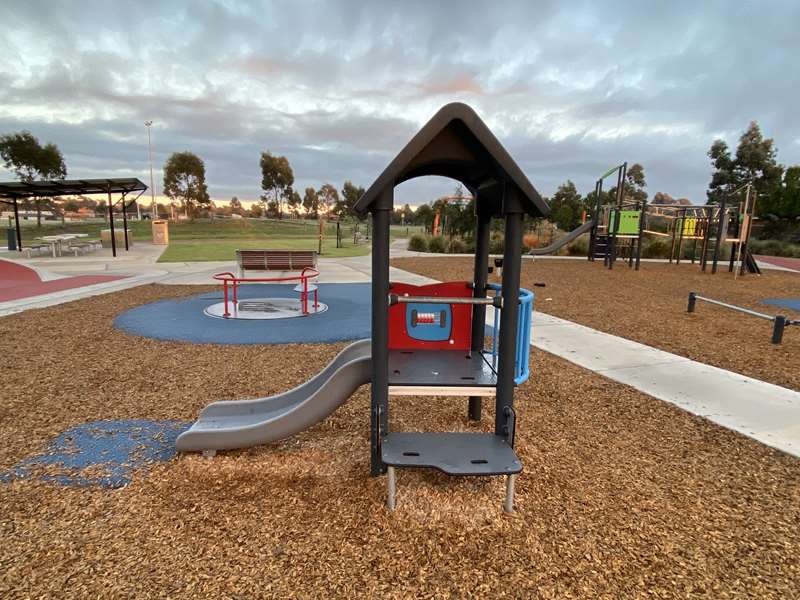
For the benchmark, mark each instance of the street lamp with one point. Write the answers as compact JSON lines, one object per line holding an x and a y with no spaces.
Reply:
{"x":148,"y":125}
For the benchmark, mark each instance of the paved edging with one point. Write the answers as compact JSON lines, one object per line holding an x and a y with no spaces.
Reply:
{"x":16,"y":306}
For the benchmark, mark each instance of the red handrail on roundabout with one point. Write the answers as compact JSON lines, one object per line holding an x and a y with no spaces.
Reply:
{"x":306,"y":274}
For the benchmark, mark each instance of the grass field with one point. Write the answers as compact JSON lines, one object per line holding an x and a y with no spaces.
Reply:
{"x":207,"y":240}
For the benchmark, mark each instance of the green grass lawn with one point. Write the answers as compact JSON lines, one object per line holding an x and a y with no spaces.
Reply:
{"x":225,"y":249}
{"x":218,"y":239}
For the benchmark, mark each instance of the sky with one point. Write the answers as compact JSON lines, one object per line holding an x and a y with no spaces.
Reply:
{"x":570,"y":88}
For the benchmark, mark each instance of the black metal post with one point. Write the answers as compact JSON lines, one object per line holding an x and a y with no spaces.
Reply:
{"x":642,"y":217}
{"x":482,"y":228}
{"x":379,"y":413}
{"x":125,"y":221}
{"x":611,"y":250}
{"x":16,"y":224}
{"x":598,"y":188}
{"x":721,"y":227}
{"x":692,"y":302}
{"x":777,"y":330}
{"x":512,"y":259}
{"x":111,"y":224}
{"x":680,"y":239}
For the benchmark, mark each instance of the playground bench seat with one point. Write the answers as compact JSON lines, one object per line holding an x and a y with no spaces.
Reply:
{"x":274,"y":260}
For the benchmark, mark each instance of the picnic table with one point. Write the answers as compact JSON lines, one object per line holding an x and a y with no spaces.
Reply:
{"x":56,"y":242}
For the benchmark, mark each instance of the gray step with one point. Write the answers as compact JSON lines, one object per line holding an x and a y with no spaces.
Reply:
{"x":451,"y":452}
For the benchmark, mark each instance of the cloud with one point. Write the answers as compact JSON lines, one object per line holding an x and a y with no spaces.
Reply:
{"x":340,"y":87}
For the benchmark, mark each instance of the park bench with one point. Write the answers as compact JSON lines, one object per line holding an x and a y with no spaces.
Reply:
{"x":275,"y":260}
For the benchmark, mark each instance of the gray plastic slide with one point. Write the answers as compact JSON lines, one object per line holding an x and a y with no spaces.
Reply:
{"x":244,"y":423}
{"x":562,"y":241}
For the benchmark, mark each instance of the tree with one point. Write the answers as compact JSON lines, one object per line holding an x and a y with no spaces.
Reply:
{"x":256,"y":210}
{"x":424,"y":216}
{"x":755,"y":161}
{"x":566,"y":207}
{"x":276,"y":177}
{"x":350,"y":195}
{"x":236,"y":205}
{"x":185,"y":181}
{"x":294,"y":201}
{"x":328,"y":197}
{"x":723,"y":178}
{"x":784,"y":202}
{"x":22,"y":153}
{"x":634,"y":186}
{"x":311,"y":202}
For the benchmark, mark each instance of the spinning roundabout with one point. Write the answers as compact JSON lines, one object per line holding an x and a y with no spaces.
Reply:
{"x":343,"y":316}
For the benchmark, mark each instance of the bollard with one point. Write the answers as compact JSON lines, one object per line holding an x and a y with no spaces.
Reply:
{"x":692,"y":302}
{"x":777,"y":330}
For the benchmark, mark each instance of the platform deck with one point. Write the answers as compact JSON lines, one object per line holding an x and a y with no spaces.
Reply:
{"x":440,"y":368}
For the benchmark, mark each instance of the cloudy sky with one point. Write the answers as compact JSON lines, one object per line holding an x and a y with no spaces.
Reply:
{"x":570,"y":88}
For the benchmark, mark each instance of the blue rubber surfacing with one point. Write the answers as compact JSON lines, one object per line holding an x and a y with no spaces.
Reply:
{"x":101,"y":453}
{"x":789,"y":303}
{"x":182,"y":319}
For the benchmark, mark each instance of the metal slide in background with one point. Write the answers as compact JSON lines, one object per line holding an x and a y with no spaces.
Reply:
{"x":244,"y":423}
{"x":561,"y":242}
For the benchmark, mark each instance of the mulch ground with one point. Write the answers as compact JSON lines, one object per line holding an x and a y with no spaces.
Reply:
{"x":622,"y":495}
{"x":649,"y":306}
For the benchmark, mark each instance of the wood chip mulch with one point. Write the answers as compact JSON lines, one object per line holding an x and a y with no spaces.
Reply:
{"x":649,"y":306}
{"x":622,"y":495}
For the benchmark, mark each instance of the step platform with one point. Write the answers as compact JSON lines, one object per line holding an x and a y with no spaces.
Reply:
{"x":452,"y":453}
{"x":464,"y":454}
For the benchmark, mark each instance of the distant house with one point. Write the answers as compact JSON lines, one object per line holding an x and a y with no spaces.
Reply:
{"x":82,"y":214}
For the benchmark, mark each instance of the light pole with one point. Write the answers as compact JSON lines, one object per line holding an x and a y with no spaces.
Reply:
{"x":154,"y":212}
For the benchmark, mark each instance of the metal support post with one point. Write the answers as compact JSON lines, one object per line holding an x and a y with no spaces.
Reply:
{"x":508,"y":505}
{"x":480,"y":277}
{"x":111,"y":224}
{"x":379,"y":413}
{"x":391,"y":488}
{"x":512,"y":260}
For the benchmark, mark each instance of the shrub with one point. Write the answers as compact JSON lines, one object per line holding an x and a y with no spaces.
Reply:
{"x":579,"y":247}
{"x":418,"y":243}
{"x":457,"y":246}
{"x":437,"y":244}
{"x":496,"y":244}
{"x":530,"y":241}
{"x":657,"y":249}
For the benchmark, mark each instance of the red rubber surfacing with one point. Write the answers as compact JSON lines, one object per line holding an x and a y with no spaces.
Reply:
{"x":18,"y":282}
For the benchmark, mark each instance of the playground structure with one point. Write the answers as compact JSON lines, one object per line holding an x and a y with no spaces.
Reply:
{"x":265,"y":307}
{"x":426,"y":340}
{"x":618,"y":229}
{"x":709,"y":227}
{"x":269,"y":308}
{"x":780,"y":322}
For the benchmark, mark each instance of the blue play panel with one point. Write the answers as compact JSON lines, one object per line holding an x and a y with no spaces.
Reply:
{"x":790,"y":303}
{"x":102,"y":453}
{"x":182,"y":319}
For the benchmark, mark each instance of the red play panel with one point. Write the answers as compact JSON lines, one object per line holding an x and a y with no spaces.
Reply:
{"x":18,"y":281}
{"x":780,"y":261}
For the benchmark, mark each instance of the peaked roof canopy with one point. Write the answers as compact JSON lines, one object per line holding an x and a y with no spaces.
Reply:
{"x":456,"y":143}
{"x":69,"y":187}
